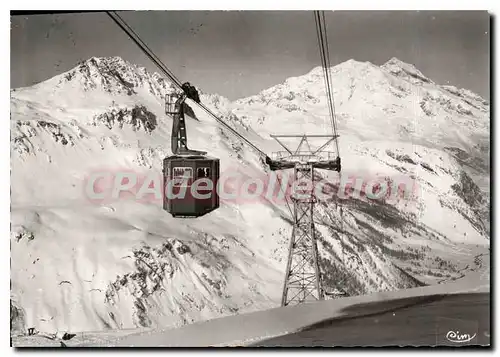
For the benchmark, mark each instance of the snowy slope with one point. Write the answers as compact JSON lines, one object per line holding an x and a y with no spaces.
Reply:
{"x":394,"y":102}
{"x":246,"y":329}
{"x":284,"y":320}
{"x":393,"y":122}
{"x":81,"y":265}
{"x":91,"y":267}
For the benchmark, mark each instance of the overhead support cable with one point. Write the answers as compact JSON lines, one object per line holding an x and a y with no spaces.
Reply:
{"x":166,"y":71}
{"x":324,"y":50}
{"x":330,"y":81}
{"x":326,"y":66}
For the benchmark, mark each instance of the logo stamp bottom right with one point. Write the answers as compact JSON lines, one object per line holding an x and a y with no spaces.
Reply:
{"x":456,"y":332}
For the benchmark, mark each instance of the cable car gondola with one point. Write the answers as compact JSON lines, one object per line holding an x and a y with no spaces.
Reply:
{"x":190,"y":176}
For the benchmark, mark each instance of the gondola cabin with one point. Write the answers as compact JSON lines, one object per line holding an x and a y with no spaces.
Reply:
{"x":190,"y":177}
{"x":190,"y":185}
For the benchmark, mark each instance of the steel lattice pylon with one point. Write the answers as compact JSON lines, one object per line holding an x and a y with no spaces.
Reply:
{"x":302,"y":277}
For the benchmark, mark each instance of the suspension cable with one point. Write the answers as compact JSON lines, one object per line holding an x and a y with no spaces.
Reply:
{"x":326,"y":66}
{"x":323,"y":66}
{"x":324,"y":51}
{"x":164,"y":69}
{"x":137,"y":40}
{"x":329,"y":76}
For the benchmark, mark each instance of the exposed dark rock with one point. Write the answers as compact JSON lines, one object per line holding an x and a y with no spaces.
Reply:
{"x":402,"y":158}
{"x":137,"y":117}
{"x":427,"y":167}
{"x":17,"y":319}
{"x":466,"y":189}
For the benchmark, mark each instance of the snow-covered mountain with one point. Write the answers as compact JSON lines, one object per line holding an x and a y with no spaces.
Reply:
{"x":392,"y":102}
{"x":79,"y":265}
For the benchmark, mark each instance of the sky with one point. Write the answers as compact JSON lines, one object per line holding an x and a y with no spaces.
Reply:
{"x":239,"y":53}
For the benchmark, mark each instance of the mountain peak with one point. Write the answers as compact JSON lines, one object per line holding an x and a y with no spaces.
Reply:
{"x":405,"y":70}
{"x":110,"y":74}
{"x":350,"y":63}
{"x":107,"y":65}
{"x":396,"y":61}
{"x":114,"y":61}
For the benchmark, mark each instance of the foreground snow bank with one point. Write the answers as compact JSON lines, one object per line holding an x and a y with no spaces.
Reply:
{"x":249,"y":328}
{"x":246,"y":329}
